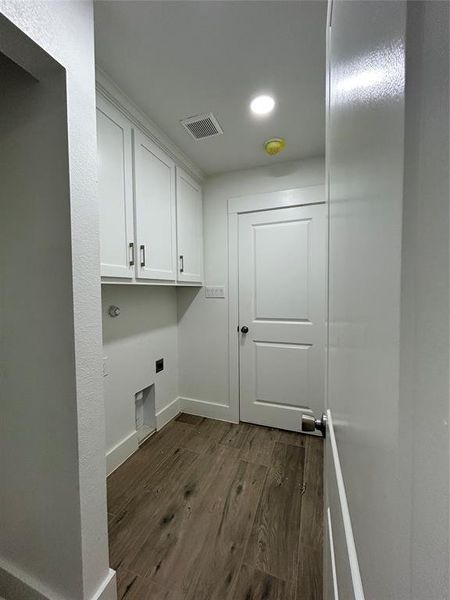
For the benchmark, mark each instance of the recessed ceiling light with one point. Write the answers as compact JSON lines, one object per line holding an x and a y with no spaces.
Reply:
{"x":262,"y":105}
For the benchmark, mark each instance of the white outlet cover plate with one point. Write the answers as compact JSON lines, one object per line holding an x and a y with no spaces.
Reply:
{"x":215,"y":291}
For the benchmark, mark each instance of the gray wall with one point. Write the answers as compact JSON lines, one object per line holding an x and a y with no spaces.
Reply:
{"x":145,"y":331}
{"x":53,"y":512}
{"x":424,"y":382}
{"x":388,"y":388}
{"x":365,"y":170}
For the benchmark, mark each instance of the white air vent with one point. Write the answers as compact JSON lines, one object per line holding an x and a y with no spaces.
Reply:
{"x":202,"y":126}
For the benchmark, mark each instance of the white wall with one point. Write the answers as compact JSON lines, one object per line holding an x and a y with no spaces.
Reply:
{"x":145,"y":331}
{"x":365,"y":220}
{"x":59,"y":544}
{"x":424,"y":382}
{"x":388,"y":365}
{"x":203,"y":323}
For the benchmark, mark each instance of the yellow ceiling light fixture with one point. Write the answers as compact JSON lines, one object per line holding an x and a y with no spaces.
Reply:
{"x":274,"y":145}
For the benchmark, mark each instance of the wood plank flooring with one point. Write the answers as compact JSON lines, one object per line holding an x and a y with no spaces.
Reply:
{"x":209,"y":510}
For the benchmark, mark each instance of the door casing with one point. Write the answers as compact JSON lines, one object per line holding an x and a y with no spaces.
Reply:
{"x":314,"y":194}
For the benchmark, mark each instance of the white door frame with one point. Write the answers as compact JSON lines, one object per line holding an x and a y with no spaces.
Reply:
{"x":314,"y":194}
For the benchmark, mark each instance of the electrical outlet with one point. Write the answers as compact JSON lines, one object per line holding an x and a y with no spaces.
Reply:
{"x":216,"y":291}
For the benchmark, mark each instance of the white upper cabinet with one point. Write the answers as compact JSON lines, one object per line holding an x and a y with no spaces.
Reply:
{"x":189,"y":229}
{"x":115,"y":190}
{"x":151,"y":212}
{"x":154,"y":180}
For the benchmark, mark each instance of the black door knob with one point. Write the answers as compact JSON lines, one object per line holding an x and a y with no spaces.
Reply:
{"x":244,"y":329}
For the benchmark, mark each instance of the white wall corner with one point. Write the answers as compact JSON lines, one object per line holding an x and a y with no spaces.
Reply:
{"x":211,"y":410}
{"x":108,"y":589}
{"x":16,"y":585}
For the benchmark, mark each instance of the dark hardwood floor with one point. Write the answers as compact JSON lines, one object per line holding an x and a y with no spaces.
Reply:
{"x":208,"y":510}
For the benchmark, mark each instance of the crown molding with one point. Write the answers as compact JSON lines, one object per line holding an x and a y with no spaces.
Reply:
{"x":109,"y":90}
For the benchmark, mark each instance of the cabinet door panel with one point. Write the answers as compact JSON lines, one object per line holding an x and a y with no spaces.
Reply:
{"x":154,"y":180}
{"x":189,"y":229}
{"x":115,"y":191}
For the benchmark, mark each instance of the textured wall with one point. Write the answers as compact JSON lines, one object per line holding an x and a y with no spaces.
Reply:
{"x":145,"y":331}
{"x":365,"y":161}
{"x":424,"y":384}
{"x":65,"y":31}
{"x":388,"y":368}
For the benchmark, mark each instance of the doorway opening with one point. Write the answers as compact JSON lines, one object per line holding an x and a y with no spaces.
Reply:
{"x":189,"y":506}
{"x":38,"y":434}
{"x":277,"y":257}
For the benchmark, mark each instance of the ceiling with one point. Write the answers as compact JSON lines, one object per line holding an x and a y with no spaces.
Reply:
{"x":178,"y":59}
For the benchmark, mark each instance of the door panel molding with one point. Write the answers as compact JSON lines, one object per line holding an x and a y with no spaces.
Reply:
{"x":314,"y":194}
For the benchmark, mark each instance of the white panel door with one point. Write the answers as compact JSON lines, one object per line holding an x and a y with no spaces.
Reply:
{"x":281,"y":302}
{"x":154,"y":180}
{"x":115,"y":191}
{"x":189,"y":229}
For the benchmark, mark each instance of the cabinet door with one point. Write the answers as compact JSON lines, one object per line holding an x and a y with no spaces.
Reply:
{"x":115,"y":191}
{"x":154,"y":181}
{"x":189,"y":229}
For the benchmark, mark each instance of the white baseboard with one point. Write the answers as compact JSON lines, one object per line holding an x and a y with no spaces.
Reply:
{"x":358,"y":591}
{"x":212,"y":410}
{"x":108,"y":589}
{"x":124,"y":449}
{"x":167,"y":413}
{"x":16,"y":585}
{"x":119,"y":454}
{"x":332,"y":556}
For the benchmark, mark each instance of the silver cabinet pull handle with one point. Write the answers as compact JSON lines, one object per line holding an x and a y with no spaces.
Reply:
{"x":142,"y":248}
{"x":181,"y":263}
{"x":131,"y":249}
